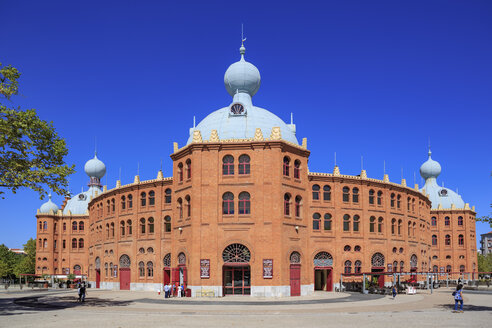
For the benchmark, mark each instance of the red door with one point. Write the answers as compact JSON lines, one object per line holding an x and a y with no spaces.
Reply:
{"x":167,"y":276}
{"x":295,"y":280}
{"x":125,"y":277}
{"x":98,"y":278}
{"x":329,"y":280}
{"x":381,"y":281}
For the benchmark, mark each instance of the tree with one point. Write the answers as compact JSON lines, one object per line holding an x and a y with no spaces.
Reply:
{"x":31,"y":152}
{"x":28,"y":262}
{"x":484,"y":263}
{"x":8,"y":260}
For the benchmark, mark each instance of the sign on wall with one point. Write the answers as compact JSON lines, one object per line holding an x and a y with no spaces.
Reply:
{"x":267,"y":268}
{"x":205,"y":268}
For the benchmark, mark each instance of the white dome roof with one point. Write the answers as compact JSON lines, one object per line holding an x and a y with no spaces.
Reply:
{"x":430,"y":169}
{"x":242,"y":77}
{"x":48,"y":206}
{"x":79,"y":203}
{"x":95,"y":168}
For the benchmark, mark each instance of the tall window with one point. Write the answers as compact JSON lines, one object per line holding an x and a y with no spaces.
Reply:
{"x":355,"y":195}
{"x":141,"y":269}
{"x":286,"y":204}
{"x":409,"y":229}
{"x":346,"y":222}
{"x":399,"y":227}
{"x":180,"y":172}
{"x":433,"y":221}
{"x":372,"y":224}
{"x":434,"y":240}
{"x":327,"y":222}
{"x":392,"y":200}
{"x":81,"y":226}
{"x":357,"y":266}
{"x":143,"y":199}
{"x":142,"y":225}
{"x":180,"y":208}
{"x":316,"y":189}
{"x":74,"y":243}
{"x":150,"y":224}
{"x":393,"y":226}
{"x":74,"y":226}
{"x":151,"y":198}
{"x":448,"y":268}
{"x":244,"y":167}
{"x":409,"y":202}
{"x":371,"y":196}
{"x":326,"y":193}
{"x":40,"y":225}
{"x":380,"y":197}
{"x":130,"y":201}
{"x":112,"y":229}
{"x":122,"y":228}
{"x":462,"y":268}
{"x":107,"y":230}
{"x":123,"y":202}
{"x":188,"y":168}
{"x":286,"y":167}
{"x":380,"y":225}
{"x":81,"y":243}
{"x":398,"y":204}
{"x":356,"y":222}
{"x":45,"y":225}
{"x":188,"y":206}
{"x":150,"y":269}
{"x":228,"y":165}
{"x":167,"y":223}
{"x":447,"y":240}
{"x":45,"y":242}
{"x":167,"y":197}
{"x":446,"y":221}
{"x":113,"y":205}
{"x":129,"y":228}
{"x":64,"y":226}
{"x":228,"y":203}
{"x":316,"y":221}
{"x":297,"y":169}
{"x":244,"y":203}
{"x":298,"y":206}
{"x":348,"y":267}
{"x":461,"y":240}
{"x":346,"y":194}
{"x":460,"y":220}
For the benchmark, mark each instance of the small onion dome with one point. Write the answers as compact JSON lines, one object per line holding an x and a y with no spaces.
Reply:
{"x":430,"y":169}
{"x":242,"y":76}
{"x":95,"y":168}
{"x":48,"y":206}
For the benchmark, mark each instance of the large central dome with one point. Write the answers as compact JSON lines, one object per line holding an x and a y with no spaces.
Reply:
{"x":241,"y":119}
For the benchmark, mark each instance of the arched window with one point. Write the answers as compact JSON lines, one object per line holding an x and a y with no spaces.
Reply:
{"x":141,"y":269}
{"x":122,"y":228}
{"x":81,"y":243}
{"x":244,"y":166}
{"x":150,"y":250}
{"x":413,"y":261}
{"x":74,"y":226}
{"x":297,"y":169}
{"x":357,"y":266}
{"x":461,"y":240}
{"x":74,"y":243}
{"x":40,"y":225}
{"x":435,"y":268}
{"x":123,"y":203}
{"x":446,"y":221}
{"x":409,"y":202}
{"x":151,"y":198}
{"x":377,"y":260}
{"x":398,"y":205}
{"x":112,"y":229}
{"x":108,"y":206}
{"x":142,"y":225}
{"x":188,"y":168}
{"x":81,"y":226}
{"x":286,"y":167}
{"x":236,"y":253}
{"x":393,"y":226}
{"x":167,"y":223}
{"x":182,"y":258}
{"x":167,"y":260}
{"x":409,"y":229}
{"x":402,"y":266}
{"x":64,"y":244}
{"x":316,"y":221}
{"x":447,"y":240}
{"x":355,"y":195}
{"x":380,"y":197}
{"x":45,"y":226}
{"x":125,"y":261}
{"x":395,"y":266}
{"x":323,"y":259}
{"x":45,"y":243}
{"x":460,"y":220}
{"x":316,"y":189}
{"x":448,"y":268}
{"x":348,"y":267}
{"x":64,"y":226}
{"x":399,"y":227}
{"x":188,"y":206}
{"x":327,"y":222}
{"x":433,"y":221}
{"x":129,"y":227}
{"x":141,"y":250}
{"x":143,"y":199}
{"x":392,"y":200}
{"x":346,"y":222}
{"x":434,"y":240}
{"x":106,"y":270}
{"x":180,"y":172}
{"x":113,"y":205}
{"x":298,"y":202}
{"x":371,"y":197}
{"x":287,"y":204}
{"x":357,"y":248}
{"x":380,"y":225}
{"x":130,"y":201}
{"x":356,"y":222}
{"x":347,"y":248}
{"x":107,"y":230}
{"x":414,"y":229}
{"x":244,"y":203}
{"x":295,"y":258}
{"x":180,"y":208}
{"x":228,"y":165}
{"x":167,"y":197}
{"x":462,"y":268}
{"x":150,"y":269}
{"x":150,"y":223}
{"x":372,"y":224}
{"x":326,"y":193}
{"x":228,"y":203}
{"x":346,"y":194}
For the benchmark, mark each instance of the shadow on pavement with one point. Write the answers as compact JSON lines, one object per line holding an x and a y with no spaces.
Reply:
{"x":466,"y":308}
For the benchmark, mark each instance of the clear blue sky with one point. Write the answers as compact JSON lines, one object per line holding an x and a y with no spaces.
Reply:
{"x":371,"y":78}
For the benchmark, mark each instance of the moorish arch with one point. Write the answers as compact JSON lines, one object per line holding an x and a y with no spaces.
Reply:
{"x":377,"y":260}
{"x":125,"y":261}
{"x":323,"y":271}
{"x":166,"y":261}
{"x":125,"y":272}
{"x":295,"y":273}
{"x":97,"y":265}
{"x":413,"y":261}
{"x":236,"y":279}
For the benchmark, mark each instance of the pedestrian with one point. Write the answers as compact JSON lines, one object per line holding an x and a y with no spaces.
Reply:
{"x":179,"y":290}
{"x":82,"y":292}
{"x":182,"y":291}
{"x":394,"y":291}
{"x":459,"y":281}
{"x":458,"y":298}
{"x":166,"y":291}
{"x":78,"y":293}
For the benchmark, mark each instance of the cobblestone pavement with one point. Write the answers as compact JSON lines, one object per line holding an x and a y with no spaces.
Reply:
{"x":59,"y":308}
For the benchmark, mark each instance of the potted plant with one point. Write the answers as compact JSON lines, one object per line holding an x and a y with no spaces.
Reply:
{"x":70,"y":278}
{"x":45,"y":278}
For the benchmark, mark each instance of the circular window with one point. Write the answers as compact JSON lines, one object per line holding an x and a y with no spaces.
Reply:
{"x":295,"y":258}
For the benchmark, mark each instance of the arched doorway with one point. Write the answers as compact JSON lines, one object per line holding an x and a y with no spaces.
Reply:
{"x":98,"y":271}
{"x":179,"y":275}
{"x":413,"y":267}
{"x":125,"y":273}
{"x":323,"y":271}
{"x":295,"y":274}
{"x":167,"y":269}
{"x":377,"y":265}
{"x":236,"y":274}
{"x":76,"y":270}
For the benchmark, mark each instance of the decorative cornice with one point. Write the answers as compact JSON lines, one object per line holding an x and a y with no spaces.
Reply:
{"x":214,"y":136}
{"x":197,"y":136}
{"x":258,"y":135}
{"x":276,"y":134}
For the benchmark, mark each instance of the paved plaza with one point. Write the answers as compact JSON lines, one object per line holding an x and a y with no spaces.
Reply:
{"x":59,"y":308}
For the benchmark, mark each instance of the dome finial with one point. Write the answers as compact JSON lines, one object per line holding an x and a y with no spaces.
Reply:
{"x":242,"y":50}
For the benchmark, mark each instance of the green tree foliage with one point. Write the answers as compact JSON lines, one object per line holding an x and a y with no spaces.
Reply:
{"x":31,"y":152}
{"x":12,"y":264}
{"x":28,"y":262}
{"x":484,"y":263}
{"x":8,"y":261}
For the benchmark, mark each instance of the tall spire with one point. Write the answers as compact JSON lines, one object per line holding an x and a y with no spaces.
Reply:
{"x":242,"y":50}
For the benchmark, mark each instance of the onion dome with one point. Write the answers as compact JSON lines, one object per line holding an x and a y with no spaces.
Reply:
{"x":242,"y":77}
{"x":95,"y":168}
{"x":430,"y":169}
{"x":48,"y":206}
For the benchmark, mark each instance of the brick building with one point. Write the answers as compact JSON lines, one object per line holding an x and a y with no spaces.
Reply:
{"x":242,"y":214}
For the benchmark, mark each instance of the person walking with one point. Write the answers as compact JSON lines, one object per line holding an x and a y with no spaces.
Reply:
{"x":82,"y":292}
{"x":179,"y":291}
{"x":166,"y":291}
{"x":458,"y":298}
{"x":394,"y":291}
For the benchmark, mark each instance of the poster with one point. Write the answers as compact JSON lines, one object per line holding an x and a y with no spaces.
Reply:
{"x":205,"y":268}
{"x":267,"y":268}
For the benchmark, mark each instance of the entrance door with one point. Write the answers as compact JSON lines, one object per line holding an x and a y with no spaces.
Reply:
{"x":329,"y":280}
{"x":295,"y":280}
{"x":237,"y":280}
{"x":98,"y":278}
{"x":167,"y":276}
{"x":125,"y":277}
{"x":380,"y":278}
{"x":323,"y":279}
